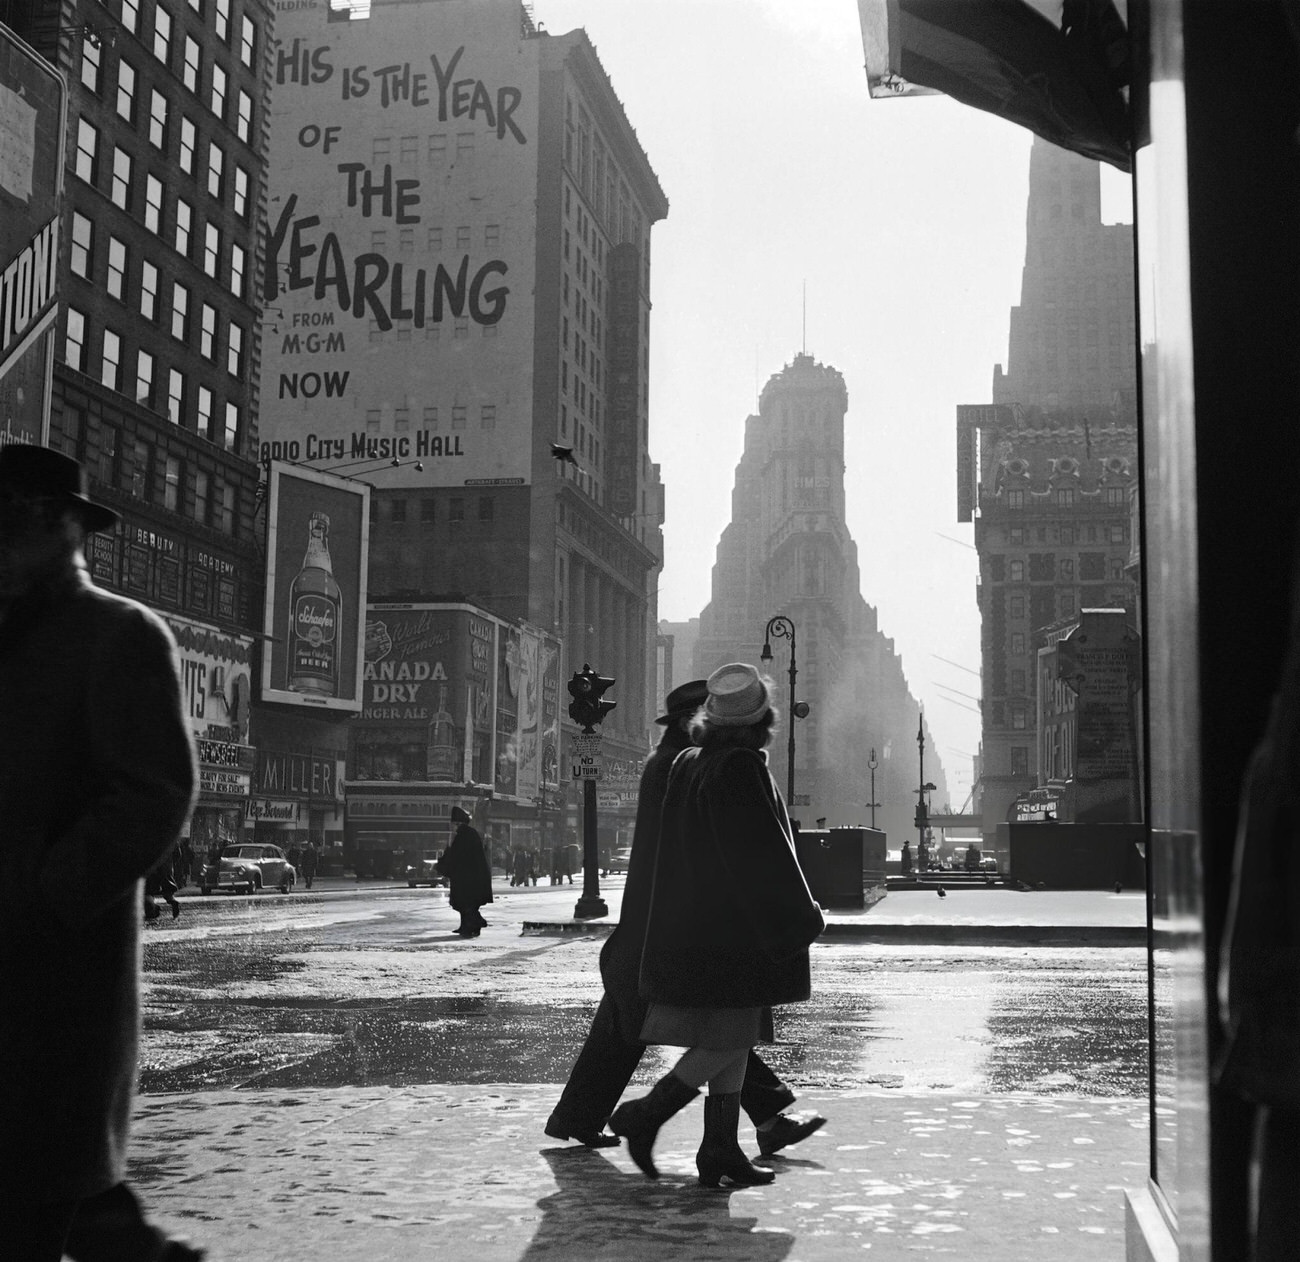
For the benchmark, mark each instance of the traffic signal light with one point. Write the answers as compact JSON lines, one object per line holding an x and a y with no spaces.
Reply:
{"x":587,"y":709}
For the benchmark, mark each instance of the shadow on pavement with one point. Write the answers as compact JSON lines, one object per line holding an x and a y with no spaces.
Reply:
{"x":600,"y":1212}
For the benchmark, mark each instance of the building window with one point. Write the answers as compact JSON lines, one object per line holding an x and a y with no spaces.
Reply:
{"x":144,"y":378}
{"x":438,"y":147}
{"x":458,"y":416}
{"x":201,"y":484}
{"x":1018,"y":717}
{"x":435,"y":237}
{"x":1019,"y":760}
{"x":428,"y":506}
{"x":148,"y":291}
{"x":162,"y":34}
{"x":1067,"y":604}
{"x":1018,"y":644}
{"x":406,"y":239}
{"x":460,"y":327}
{"x":381,"y":148}
{"x":401,"y":420}
{"x":188,"y":136}
{"x":1115,"y":496}
{"x":190,"y":72}
{"x":180,"y":312}
{"x":1117,"y":533}
{"x":120,"y":193}
{"x":203,"y":413}
{"x":175,"y":396}
{"x":398,"y":512}
{"x":244,"y":118}
{"x":379,"y":239}
{"x":1065,"y":497}
{"x":232,"y":427}
{"x":237,"y":266}
{"x":488,"y":416}
{"x":115,"y":283}
{"x":208,"y":332}
{"x":456,"y":511}
{"x":221,"y":20}
{"x":211,"y":249}
{"x":216,"y":165}
{"x":1015,"y":499}
{"x":74,"y":340}
{"x":217,"y":99}
{"x":408,"y":148}
{"x":486,"y":508}
{"x":90,"y":64}
{"x":153,"y":197}
{"x":241,"y":193}
{"x":1016,"y":571}
{"x":157,"y":119}
{"x":492,"y":235}
{"x":126,"y":90}
{"x":87,"y":148}
{"x":172,"y":483}
{"x":235,"y":350}
{"x":184,"y":224}
{"x":107,"y":455}
{"x":248,"y":41}
{"x":226,"y":509}
{"x":81,"y":256}
{"x":462,"y":237}
{"x":1017,"y":609}
{"x":373,"y":419}
{"x":110,"y":361}
{"x":430,"y":418}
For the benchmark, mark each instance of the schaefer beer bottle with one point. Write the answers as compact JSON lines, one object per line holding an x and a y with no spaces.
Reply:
{"x":315,"y":613}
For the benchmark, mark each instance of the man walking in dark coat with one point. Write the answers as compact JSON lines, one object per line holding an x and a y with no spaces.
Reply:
{"x":469,"y":878}
{"x":613,"y":1048}
{"x":97,"y":776}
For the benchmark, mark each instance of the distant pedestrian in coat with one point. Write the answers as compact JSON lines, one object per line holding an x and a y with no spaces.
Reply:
{"x":614,"y":1047}
{"x":730,"y":921}
{"x":97,"y":777}
{"x":309,"y":864}
{"x":465,"y":866}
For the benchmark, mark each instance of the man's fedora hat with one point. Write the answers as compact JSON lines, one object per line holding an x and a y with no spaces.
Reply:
{"x":460,"y":815}
{"x":42,"y":473}
{"x":738,"y":696}
{"x":683,"y":700}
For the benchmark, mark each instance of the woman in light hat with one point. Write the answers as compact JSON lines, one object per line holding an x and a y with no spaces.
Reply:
{"x":730,"y":923}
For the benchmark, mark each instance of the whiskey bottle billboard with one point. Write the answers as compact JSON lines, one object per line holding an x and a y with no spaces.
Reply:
{"x":317,"y":540}
{"x":315,"y":615}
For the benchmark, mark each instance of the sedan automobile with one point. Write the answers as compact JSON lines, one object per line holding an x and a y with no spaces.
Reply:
{"x":250,"y":868}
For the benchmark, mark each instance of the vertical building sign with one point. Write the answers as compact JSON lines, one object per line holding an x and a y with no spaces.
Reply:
{"x":400,"y":253}
{"x":625,"y":351}
{"x":509,"y":678}
{"x":317,"y":539}
{"x":33,"y":104}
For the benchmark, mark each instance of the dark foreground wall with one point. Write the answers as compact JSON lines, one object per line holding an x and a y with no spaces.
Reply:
{"x":1076,"y":856}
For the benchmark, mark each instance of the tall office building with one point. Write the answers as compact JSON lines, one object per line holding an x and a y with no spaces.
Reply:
{"x":1048,"y":470}
{"x":457,"y":290}
{"x":787,"y":551}
{"x":155,"y":374}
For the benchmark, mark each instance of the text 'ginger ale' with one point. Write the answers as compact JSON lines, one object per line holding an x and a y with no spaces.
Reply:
{"x":315,"y":611}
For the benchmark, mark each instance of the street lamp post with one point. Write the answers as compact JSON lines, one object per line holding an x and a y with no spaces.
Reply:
{"x":872,"y":764}
{"x":922,"y":811}
{"x":783,"y":628}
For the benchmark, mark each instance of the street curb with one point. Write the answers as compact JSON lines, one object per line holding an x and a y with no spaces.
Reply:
{"x":918,"y":935}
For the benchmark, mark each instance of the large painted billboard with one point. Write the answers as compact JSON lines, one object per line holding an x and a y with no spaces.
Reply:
{"x":33,"y":102}
{"x":455,"y":696}
{"x":399,"y":281}
{"x":318,"y":533}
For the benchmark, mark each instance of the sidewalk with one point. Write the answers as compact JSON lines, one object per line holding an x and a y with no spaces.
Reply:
{"x":378,"y":1175}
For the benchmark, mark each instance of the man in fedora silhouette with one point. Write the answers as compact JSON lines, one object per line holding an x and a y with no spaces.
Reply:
{"x":97,"y":776}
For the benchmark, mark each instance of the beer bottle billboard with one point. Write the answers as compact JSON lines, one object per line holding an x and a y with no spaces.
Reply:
{"x":315,"y":615}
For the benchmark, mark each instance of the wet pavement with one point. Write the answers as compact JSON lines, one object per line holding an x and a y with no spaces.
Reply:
{"x":338,"y":1072}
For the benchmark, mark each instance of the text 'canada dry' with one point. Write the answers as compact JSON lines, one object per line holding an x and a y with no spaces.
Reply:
{"x":315,"y":607}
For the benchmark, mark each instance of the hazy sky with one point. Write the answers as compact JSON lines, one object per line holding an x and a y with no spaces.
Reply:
{"x":906,"y":220}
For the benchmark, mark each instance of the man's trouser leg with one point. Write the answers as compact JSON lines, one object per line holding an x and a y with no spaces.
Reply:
{"x":111,"y":1227}
{"x":599,"y":1076}
{"x":764,"y":1095}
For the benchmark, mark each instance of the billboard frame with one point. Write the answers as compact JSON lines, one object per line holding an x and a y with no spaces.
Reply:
{"x":277,"y":471}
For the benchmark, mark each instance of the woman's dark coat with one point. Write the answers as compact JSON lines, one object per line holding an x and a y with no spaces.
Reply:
{"x":97,"y":775}
{"x":465,"y":866}
{"x":731,"y":917}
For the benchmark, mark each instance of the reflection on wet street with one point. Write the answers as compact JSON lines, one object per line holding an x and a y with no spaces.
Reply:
{"x":377,"y":991}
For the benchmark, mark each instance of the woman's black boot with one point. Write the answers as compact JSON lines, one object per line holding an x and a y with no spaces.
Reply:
{"x":720,"y":1156}
{"x":638,"y":1121}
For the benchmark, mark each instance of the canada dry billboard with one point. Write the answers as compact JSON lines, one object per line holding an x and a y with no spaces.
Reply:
{"x":400,"y":274}
{"x":33,"y":102}
{"x":318,"y":536}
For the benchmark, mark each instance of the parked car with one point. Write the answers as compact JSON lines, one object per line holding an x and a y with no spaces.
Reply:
{"x":424,"y":871}
{"x":250,"y":868}
{"x":620,"y":859}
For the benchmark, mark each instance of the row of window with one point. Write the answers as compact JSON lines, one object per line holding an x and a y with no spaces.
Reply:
{"x":1064,"y":533}
{"x":188,"y":404}
{"x":435,"y":237}
{"x":431,"y":418}
{"x":1063,"y":572}
{"x":395,"y":510}
{"x":1066,"y":497}
{"x":161,"y":33}
{"x":123,"y":189}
